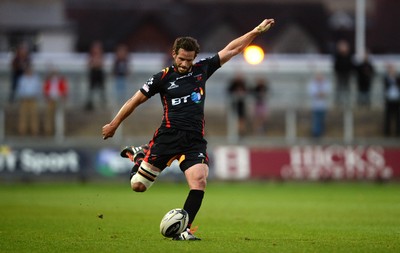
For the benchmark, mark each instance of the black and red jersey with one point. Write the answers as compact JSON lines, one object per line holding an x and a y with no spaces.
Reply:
{"x":183,"y":95}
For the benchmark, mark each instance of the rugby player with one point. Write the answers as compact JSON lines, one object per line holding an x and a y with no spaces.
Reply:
{"x":181,"y":135}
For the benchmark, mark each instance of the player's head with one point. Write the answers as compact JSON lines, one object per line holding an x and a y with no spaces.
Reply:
{"x":184,"y":51}
{"x":187,"y":44}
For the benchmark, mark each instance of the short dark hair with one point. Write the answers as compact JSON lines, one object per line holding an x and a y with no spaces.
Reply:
{"x":187,"y":44}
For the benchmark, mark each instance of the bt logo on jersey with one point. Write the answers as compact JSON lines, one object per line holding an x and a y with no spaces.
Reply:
{"x":178,"y":101}
{"x":195,"y":97}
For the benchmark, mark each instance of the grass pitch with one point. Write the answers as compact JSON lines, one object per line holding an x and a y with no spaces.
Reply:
{"x":235,"y":217}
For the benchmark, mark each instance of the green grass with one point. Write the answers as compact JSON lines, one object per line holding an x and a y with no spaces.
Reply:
{"x":235,"y":217}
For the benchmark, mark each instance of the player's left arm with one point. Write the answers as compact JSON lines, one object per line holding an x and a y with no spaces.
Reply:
{"x":237,"y":45}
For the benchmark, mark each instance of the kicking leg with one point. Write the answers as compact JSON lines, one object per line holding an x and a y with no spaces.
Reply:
{"x":136,"y":155}
{"x":145,"y":177}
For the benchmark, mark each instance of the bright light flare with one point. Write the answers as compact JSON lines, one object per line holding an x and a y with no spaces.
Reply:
{"x":253,"y":54}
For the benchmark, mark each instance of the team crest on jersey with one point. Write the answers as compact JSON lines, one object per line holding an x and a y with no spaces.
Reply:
{"x":198,"y":77}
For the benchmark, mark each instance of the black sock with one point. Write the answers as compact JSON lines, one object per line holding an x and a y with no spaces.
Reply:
{"x":135,"y":167}
{"x":193,"y":203}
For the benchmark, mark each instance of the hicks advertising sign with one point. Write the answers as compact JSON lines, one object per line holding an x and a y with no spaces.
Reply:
{"x":333,"y":162}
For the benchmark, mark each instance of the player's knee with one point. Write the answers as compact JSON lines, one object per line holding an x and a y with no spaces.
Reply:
{"x":144,"y":178}
{"x":198,"y":183}
{"x":202,"y":182}
{"x":197,"y":177}
{"x":138,"y":187}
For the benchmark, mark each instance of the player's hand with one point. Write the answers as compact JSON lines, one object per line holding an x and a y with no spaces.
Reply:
{"x":265,"y":25}
{"x":108,"y":131}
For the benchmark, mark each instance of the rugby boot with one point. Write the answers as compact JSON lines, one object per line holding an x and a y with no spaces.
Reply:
{"x":187,"y":235}
{"x":134,"y":153}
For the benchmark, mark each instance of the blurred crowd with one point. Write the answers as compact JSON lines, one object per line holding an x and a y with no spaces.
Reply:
{"x":28,"y":88}
{"x":248,"y":99}
{"x":345,"y":68}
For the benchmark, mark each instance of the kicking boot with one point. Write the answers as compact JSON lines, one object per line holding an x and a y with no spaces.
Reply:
{"x":134,"y":153}
{"x":186,"y":236}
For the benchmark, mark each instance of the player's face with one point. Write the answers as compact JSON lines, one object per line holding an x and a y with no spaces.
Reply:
{"x":183,"y":60}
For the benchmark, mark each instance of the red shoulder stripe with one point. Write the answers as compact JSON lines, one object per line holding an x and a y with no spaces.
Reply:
{"x":165,"y":71}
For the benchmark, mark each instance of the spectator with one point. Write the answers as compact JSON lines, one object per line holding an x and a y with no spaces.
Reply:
{"x":55,"y":90}
{"x":96,"y":74}
{"x":28,"y":93}
{"x":319,"y":90}
{"x":392,"y":101}
{"x":343,"y":67}
{"x":237,"y":93}
{"x":19,"y":63}
{"x":260,"y":93}
{"x":120,"y":72}
{"x":365,"y":73}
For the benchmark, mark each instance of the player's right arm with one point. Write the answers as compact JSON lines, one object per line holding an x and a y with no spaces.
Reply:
{"x":126,"y":110}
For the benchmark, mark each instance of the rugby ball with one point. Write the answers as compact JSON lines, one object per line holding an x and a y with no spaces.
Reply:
{"x":174,"y":222}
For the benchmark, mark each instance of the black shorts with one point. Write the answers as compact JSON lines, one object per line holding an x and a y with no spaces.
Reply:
{"x":189,"y":148}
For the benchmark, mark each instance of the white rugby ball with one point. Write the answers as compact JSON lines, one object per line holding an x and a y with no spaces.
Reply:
{"x":174,"y":222}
